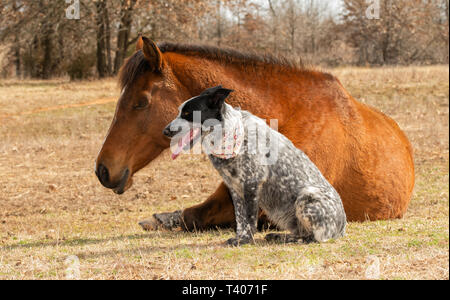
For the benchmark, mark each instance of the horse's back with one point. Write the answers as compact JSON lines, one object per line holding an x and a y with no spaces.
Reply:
{"x":361,"y":151}
{"x":385,"y":168}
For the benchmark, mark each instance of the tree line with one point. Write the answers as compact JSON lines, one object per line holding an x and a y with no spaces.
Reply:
{"x":38,"y":39}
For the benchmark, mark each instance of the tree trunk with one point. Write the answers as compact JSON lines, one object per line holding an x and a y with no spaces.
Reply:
{"x":124,"y":33}
{"x":274,"y":27}
{"x":101,"y":45}
{"x":107,"y":39}
{"x":47,"y":45}
{"x":219,"y":23}
{"x":17,"y":60}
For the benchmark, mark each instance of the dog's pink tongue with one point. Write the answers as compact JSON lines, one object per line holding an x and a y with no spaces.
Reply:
{"x":178,"y":149}
{"x":182,"y":142}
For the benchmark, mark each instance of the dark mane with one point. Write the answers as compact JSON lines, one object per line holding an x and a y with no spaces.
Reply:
{"x":228,"y":55}
{"x":136,"y":64}
{"x":133,"y":67}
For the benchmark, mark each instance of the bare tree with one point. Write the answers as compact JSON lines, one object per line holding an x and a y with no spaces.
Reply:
{"x":39,"y":40}
{"x":123,"y":37}
{"x":404,"y":32}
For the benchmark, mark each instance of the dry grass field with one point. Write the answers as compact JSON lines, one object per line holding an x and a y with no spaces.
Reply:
{"x":52,"y":207}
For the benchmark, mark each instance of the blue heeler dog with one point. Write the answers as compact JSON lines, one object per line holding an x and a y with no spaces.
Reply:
{"x":261,"y":168}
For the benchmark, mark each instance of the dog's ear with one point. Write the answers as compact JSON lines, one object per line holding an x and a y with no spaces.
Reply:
{"x":217,"y":98}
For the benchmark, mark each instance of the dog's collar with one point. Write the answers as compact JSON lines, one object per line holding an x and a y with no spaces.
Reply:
{"x":232,"y":135}
{"x":232,"y":140}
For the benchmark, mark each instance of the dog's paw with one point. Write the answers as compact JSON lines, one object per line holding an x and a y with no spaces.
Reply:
{"x":236,"y":242}
{"x":273,"y":237}
{"x":281,"y":238}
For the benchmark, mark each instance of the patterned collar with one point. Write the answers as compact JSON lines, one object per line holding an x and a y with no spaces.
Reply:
{"x":232,"y":136}
{"x":231,"y":143}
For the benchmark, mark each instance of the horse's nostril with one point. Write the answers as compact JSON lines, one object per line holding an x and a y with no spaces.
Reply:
{"x":102,"y":174}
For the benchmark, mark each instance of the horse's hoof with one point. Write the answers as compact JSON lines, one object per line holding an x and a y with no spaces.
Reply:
{"x":150,"y":224}
{"x":167,"y":221}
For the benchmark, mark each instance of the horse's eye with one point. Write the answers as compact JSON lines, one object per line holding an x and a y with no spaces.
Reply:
{"x":142,"y":103}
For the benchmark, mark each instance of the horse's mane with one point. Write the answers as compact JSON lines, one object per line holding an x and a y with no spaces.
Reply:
{"x":137,"y":64}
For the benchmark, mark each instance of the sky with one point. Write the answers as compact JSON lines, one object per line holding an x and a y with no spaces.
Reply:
{"x":334,"y":6}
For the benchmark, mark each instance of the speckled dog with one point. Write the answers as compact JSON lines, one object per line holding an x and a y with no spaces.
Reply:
{"x":262,"y":169}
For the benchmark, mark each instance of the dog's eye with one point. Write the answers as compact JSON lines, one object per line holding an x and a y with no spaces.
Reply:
{"x":186,"y":113}
{"x":141,"y":104}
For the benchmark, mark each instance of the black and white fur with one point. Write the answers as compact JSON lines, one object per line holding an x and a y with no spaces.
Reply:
{"x":291,"y":190}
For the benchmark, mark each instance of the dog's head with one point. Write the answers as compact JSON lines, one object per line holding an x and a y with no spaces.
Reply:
{"x":196,"y":118}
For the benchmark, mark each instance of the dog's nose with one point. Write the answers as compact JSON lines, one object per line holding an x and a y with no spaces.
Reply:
{"x":103,"y":175}
{"x":167,"y":132}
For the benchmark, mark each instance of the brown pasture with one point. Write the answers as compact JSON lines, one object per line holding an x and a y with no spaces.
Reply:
{"x":52,"y":205}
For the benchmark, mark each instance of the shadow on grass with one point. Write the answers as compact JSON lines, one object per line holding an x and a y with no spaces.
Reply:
{"x":175,"y":235}
{"x":151,"y":249}
{"x":147,"y":250}
{"x":89,"y":241}
{"x":37,"y":83}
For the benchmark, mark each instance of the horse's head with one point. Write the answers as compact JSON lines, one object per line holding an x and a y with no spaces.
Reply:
{"x":149,"y":100}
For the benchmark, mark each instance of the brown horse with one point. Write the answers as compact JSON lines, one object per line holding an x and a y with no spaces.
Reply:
{"x":362,"y":152}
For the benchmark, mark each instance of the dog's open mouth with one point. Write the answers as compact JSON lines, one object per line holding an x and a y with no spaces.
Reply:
{"x":186,"y":142}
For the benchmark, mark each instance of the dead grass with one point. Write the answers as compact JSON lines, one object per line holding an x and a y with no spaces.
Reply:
{"x":52,"y":205}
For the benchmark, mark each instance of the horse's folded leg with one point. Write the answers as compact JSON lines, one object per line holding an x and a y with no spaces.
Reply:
{"x":166,"y":221}
{"x":150,"y":224}
{"x":217,"y":211}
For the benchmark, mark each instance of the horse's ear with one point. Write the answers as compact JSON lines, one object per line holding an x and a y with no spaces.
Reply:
{"x":139,"y":43}
{"x":152,"y":53}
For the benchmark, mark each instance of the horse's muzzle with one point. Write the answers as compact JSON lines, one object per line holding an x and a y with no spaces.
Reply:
{"x":104,"y":178}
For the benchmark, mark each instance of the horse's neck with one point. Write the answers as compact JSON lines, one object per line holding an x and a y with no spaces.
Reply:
{"x":258,"y":89}
{"x":251,"y":87}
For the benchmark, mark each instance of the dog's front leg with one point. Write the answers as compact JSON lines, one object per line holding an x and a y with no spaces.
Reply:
{"x":246,"y":211}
